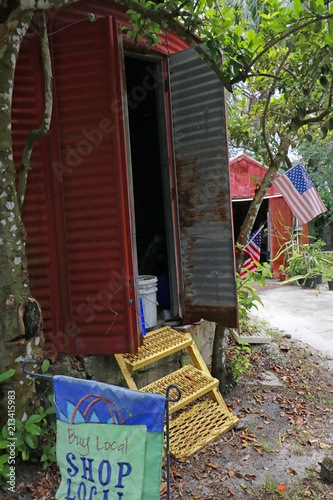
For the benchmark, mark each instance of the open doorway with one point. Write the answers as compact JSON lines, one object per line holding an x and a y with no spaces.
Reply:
{"x":240,"y":209}
{"x":148,"y":177}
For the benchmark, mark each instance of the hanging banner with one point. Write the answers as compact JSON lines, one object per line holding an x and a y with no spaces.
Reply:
{"x":109,"y":441}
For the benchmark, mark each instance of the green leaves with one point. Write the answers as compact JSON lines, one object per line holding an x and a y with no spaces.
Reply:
{"x":317,"y":27}
{"x":3,"y":460}
{"x":45,"y":365}
{"x":30,"y":425}
{"x":324,"y":131}
{"x":323,"y":81}
{"x":6,"y":375}
{"x":239,"y":362}
{"x":330,"y":29}
{"x":32,"y":441}
{"x":28,"y":437}
{"x":247,"y":299}
{"x":92,"y":17}
{"x":49,"y":455}
{"x":298,"y":6}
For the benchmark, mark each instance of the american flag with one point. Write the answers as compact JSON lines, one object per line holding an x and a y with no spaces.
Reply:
{"x":253,"y":250}
{"x":300,"y":194}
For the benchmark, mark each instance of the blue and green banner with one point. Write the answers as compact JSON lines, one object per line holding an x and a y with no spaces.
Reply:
{"x":109,"y":441}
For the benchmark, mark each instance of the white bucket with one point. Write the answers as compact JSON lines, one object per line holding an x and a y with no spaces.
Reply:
{"x":148,"y":294}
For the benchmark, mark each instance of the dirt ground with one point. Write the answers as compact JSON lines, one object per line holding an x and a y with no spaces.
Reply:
{"x":285,"y":407}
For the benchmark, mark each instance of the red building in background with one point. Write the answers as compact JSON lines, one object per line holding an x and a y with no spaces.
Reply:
{"x":245,"y":175}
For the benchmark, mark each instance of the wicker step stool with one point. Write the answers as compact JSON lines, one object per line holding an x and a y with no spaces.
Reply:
{"x":197,"y":423}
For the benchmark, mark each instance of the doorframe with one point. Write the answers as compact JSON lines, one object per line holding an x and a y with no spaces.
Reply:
{"x":167,"y":173}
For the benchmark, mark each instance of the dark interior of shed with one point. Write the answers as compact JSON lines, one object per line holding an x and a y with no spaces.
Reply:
{"x":150,"y":227}
{"x":240,"y":209}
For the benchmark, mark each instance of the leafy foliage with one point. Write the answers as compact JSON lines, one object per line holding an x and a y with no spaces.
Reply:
{"x":29,"y":437}
{"x":303,"y":260}
{"x":6,"y":375}
{"x":317,"y":157}
{"x":247,"y":297}
{"x":239,"y":362}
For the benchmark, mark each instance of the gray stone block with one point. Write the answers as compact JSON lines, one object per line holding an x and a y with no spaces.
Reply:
{"x":327,"y":469}
{"x":203,"y":335}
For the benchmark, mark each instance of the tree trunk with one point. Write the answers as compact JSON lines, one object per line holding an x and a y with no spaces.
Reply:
{"x":20,"y":315}
{"x":219,"y":370}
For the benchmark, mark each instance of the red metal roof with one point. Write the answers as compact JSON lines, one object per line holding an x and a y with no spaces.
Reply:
{"x":242,"y":185}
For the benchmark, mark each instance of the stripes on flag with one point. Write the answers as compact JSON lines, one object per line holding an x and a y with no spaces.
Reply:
{"x":253,"y":250}
{"x":300,"y":194}
{"x":249,"y":265}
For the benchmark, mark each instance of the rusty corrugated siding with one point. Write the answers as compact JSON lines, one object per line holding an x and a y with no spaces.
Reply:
{"x":201,"y":156}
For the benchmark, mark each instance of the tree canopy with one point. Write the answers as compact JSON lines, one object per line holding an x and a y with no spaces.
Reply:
{"x":317,"y":158}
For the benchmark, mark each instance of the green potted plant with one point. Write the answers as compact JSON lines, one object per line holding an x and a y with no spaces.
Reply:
{"x":319,"y":260}
{"x":284,"y":272}
{"x":305,"y":261}
{"x":328,"y":272}
{"x":329,"y":278}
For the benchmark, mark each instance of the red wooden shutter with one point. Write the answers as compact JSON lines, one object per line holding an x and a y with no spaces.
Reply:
{"x":92,"y":161}
{"x":27,"y":113}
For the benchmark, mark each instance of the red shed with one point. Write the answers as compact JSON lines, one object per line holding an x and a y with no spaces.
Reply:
{"x":245,"y":174}
{"x":132,"y":180}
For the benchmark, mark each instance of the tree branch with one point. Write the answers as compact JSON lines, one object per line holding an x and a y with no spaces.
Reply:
{"x":270,"y":93}
{"x":166,"y":21}
{"x":314,"y":119}
{"x":293,"y":30}
{"x":176,"y":12}
{"x":268,"y":75}
{"x":324,"y":113}
{"x":44,"y":128}
{"x":288,"y":162}
{"x":260,"y":193}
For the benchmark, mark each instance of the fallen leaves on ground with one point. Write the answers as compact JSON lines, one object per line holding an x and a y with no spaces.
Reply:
{"x":213,"y":466}
{"x":227,"y":466}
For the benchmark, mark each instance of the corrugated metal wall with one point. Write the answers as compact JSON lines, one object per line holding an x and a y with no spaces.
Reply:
{"x":201,"y":157}
{"x":77,"y":212}
{"x":94,"y":195}
{"x":242,"y":183}
{"x":27,"y":112}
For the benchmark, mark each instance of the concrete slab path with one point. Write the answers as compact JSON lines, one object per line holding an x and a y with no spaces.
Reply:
{"x":302,"y":312}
